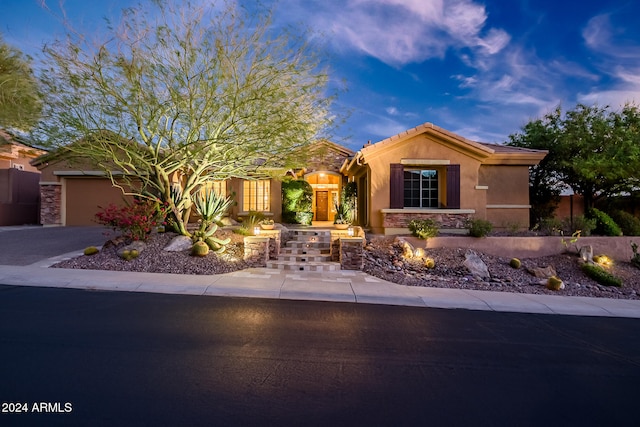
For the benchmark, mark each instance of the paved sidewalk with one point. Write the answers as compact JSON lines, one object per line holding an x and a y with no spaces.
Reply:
{"x":340,"y":286}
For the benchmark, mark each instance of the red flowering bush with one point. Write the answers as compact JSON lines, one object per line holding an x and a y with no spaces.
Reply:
{"x":134,"y":221}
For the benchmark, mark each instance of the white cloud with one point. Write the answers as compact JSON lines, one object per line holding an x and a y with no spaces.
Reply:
{"x":399,"y":32}
{"x":392,"y":111}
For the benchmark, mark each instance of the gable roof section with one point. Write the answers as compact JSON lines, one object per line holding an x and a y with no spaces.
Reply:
{"x":485,"y":152}
{"x":13,"y":146}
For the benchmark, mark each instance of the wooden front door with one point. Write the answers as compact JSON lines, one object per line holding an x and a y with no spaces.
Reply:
{"x":322,"y":206}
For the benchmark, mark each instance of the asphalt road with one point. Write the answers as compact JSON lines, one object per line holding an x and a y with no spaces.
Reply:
{"x":27,"y":245}
{"x":131,"y":359}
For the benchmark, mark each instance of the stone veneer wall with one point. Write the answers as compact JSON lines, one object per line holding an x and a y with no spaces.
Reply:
{"x":336,"y":235}
{"x":351,"y":253}
{"x":50,"y":204}
{"x":274,"y":242}
{"x":444,"y":220}
{"x":256,"y":250}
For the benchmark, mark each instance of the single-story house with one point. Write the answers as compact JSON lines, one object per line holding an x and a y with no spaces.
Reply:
{"x":429,"y":172}
{"x":19,"y":190}
{"x":423,"y":172}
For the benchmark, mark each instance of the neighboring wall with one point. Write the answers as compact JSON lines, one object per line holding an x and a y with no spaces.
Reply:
{"x":19,"y":197}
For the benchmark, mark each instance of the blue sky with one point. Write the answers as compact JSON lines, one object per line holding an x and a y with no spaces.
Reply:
{"x":480,"y":69}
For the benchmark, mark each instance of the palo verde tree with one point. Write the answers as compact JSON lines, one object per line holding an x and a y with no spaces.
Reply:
{"x":592,"y":150}
{"x":180,"y":94}
{"x":20,"y":103}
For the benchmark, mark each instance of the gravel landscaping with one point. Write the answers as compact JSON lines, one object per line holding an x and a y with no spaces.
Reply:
{"x":383,"y":259}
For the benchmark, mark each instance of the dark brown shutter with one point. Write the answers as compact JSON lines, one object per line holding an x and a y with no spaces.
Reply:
{"x":396,"y":184}
{"x":453,"y":186}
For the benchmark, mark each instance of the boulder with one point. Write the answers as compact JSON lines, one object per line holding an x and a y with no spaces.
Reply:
{"x":179,"y":244}
{"x":228,"y":221}
{"x":136,"y":245}
{"x":407,"y":248}
{"x":542,"y":272}
{"x":475,"y":265}
{"x":586,"y":254}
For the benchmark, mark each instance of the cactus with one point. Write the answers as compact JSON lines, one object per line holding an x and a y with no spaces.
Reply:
{"x":91,"y":250}
{"x":429,"y":263}
{"x":133,"y":253}
{"x":554,"y":283}
{"x":215,"y":246}
{"x":200,"y":248}
{"x":515,"y":263}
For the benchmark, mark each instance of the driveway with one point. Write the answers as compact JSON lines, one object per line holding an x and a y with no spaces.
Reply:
{"x":27,"y":245}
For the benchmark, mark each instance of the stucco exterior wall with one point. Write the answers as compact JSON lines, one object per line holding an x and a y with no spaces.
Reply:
{"x":421,"y":147}
{"x":507,"y":195}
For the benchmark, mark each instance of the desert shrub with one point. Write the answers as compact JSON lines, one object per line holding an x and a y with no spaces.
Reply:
{"x":629,"y":224}
{"x":304,"y":218}
{"x":605,"y":225}
{"x":134,"y":221}
{"x":479,"y":227}
{"x":549,"y":226}
{"x":423,"y":228}
{"x":297,"y":197}
{"x":600,"y":275}
{"x":580,"y":223}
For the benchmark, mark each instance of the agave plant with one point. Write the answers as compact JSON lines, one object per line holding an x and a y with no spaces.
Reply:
{"x":211,"y":207}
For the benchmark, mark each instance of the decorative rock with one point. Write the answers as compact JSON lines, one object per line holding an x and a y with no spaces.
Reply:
{"x":227,"y":221}
{"x":419,"y":254}
{"x":543,"y":273}
{"x":136,"y":245}
{"x":586,"y":253}
{"x":475,"y":265}
{"x":407,"y":248}
{"x":178,"y":244}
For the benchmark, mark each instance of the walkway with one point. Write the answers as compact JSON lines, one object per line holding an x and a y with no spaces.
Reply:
{"x":338,"y":286}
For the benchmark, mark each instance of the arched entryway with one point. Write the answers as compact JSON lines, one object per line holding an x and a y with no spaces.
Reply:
{"x":326,"y":193}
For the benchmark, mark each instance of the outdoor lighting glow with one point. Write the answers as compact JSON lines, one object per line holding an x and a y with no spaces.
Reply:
{"x":350,"y":231}
{"x":256,"y":231}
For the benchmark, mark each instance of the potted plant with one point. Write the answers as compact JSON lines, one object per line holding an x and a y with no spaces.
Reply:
{"x":343,"y":214}
{"x":267,"y":224}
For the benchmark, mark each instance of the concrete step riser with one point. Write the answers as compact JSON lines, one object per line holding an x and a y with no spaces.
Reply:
{"x":305,"y":258}
{"x":288,"y":266}
{"x":304,"y":251}
{"x":307,"y":245}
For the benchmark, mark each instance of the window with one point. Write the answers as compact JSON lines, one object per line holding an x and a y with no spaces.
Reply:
{"x":256,"y":195}
{"x":421,"y":188}
{"x":218,"y":187}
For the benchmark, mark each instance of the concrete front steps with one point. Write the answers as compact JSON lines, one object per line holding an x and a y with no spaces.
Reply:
{"x":310,"y":250}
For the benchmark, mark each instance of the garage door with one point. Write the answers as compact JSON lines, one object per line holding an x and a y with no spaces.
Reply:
{"x":84,"y":196}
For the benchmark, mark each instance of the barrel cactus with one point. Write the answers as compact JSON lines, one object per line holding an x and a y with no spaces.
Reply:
{"x":91,"y":250}
{"x":554,"y":283}
{"x":200,"y":248}
{"x":515,"y":263}
{"x":429,"y":263}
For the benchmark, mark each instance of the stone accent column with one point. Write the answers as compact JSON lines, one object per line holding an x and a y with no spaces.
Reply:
{"x":51,"y":204}
{"x":336,"y":235}
{"x":256,"y":250}
{"x":351,"y":253}
{"x":275,"y":242}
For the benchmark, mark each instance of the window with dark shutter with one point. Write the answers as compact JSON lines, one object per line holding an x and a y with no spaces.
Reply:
{"x":396,"y":184}
{"x":453,"y":186}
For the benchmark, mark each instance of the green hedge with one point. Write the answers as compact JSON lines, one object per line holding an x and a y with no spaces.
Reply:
{"x":605,"y":225}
